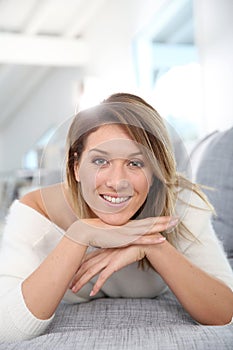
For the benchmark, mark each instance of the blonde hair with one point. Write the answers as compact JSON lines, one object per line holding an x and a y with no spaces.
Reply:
{"x":145,"y":126}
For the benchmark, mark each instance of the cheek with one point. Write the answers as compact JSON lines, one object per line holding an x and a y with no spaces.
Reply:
{"x":143,"y":188}
{"x":144,"y":182}
{"x":89,"y":177}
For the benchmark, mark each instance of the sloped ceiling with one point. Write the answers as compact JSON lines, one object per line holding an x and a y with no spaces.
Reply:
{"x":34,"y":37}
{"x":39,"y":36}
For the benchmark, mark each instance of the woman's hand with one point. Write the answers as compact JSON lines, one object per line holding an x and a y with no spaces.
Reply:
{"x":96,"y":233}
{"x":107,"y":261}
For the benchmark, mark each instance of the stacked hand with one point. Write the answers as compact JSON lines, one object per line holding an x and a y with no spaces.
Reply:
{"x":96,"y":233}
{"x":119,"y":246}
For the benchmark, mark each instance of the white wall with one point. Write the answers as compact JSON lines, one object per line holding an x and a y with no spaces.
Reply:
{"x":109,"y":39}
{"x":111,"y":36}
{"x":214,"y":34}
{"x":52,"y":103}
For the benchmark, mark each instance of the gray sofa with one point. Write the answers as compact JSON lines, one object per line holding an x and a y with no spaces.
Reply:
{"x":159,"y":323}
{"x":215,"y":170}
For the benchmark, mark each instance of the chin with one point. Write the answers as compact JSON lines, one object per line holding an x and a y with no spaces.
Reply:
{"x":114,"y":219}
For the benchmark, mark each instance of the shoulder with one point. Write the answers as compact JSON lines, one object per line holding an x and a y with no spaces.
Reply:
{"x":194,"y":211}
{"x":34,"y":200}
{"x":37,"y":199}
{"x":53,"y":203}
{"x":193,"y":199}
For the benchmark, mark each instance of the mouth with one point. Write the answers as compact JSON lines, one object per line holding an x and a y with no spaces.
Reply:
{"x":115,"y":200}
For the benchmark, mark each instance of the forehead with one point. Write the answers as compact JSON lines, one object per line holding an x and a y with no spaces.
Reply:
{"x":111,"y":137}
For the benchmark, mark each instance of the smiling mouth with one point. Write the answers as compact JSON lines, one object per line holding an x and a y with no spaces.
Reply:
{"x":115,"y":200}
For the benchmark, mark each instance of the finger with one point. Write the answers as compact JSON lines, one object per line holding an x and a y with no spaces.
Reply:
{"x":86,"y":277}
{"x":88,"y":270}
{"x":118,"y":260}
{"x":149,"y":225}
{"x":104,"y":275}
{"x":163,"y":219}
{"x":156,"y":228}
{"x":93,"y":254}
{"x":84,"y":267}
{"x":80,"y":270}
{"x":150,"y":239}
{"x":160,"y":227}
{"x":152,"y":220}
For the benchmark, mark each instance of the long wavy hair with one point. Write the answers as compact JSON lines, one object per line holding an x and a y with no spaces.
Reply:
{"x":145,"y":126}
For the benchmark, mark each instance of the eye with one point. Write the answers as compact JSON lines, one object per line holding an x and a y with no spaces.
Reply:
{"x":136,"y":164}
{"x":100,"y":161}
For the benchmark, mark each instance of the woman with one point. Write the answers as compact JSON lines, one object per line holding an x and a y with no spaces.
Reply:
{"x":123,"y":216}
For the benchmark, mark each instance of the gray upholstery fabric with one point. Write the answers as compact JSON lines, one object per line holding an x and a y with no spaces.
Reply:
{"x":145,"y":324}
{"x":216,"y":170}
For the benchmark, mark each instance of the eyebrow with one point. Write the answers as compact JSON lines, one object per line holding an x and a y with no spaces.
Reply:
{"x":107,"y":153}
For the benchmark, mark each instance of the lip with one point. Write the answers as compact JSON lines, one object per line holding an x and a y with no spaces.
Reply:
{"x":120,"y":204}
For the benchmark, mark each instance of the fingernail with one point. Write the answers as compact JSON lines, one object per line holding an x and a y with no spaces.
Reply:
{"x":74,"y":289}
{"x":92,"y":293}
{"x":162,"y":239}
{"x":173,"y":222}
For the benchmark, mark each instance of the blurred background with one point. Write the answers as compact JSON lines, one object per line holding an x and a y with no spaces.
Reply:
{"x":60,"y":56}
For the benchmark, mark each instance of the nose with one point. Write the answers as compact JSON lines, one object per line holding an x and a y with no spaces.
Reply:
{"x":117,"y":178}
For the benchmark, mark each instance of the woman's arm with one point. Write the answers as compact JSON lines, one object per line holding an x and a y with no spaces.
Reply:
{"x":37,"y":265}
{"x":46,"y":286}
{"x":33,"y":258}
{"x":208,"y":300}
{"x":196,"y":269}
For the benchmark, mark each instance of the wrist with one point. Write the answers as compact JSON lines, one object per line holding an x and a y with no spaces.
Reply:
{"x":141,"y":252}
{"x":78,"y":233}
{"x":152,"y":250}
{"x":70,"y":245}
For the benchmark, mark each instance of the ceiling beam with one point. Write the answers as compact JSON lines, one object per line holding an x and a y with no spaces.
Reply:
{"x":88,"y":10}
{"x":42,"y":9}
{"x":42,"y":50}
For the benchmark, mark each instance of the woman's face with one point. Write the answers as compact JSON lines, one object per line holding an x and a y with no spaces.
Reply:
{"x":114,"y":174}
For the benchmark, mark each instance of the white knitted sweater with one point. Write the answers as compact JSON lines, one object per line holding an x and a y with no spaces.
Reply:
{"x":29,"y":237}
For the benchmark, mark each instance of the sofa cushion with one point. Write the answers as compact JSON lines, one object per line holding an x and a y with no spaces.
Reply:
{"x":129,"y":324}
{"x":216,"y":170}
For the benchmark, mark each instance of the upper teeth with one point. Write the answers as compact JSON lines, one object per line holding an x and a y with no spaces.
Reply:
{"x":115,"y":199}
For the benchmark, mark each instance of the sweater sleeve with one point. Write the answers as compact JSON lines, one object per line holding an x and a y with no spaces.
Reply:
{"x":19,"y":257}
{"x":16,"y":321}
{"x":203,"y":248}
